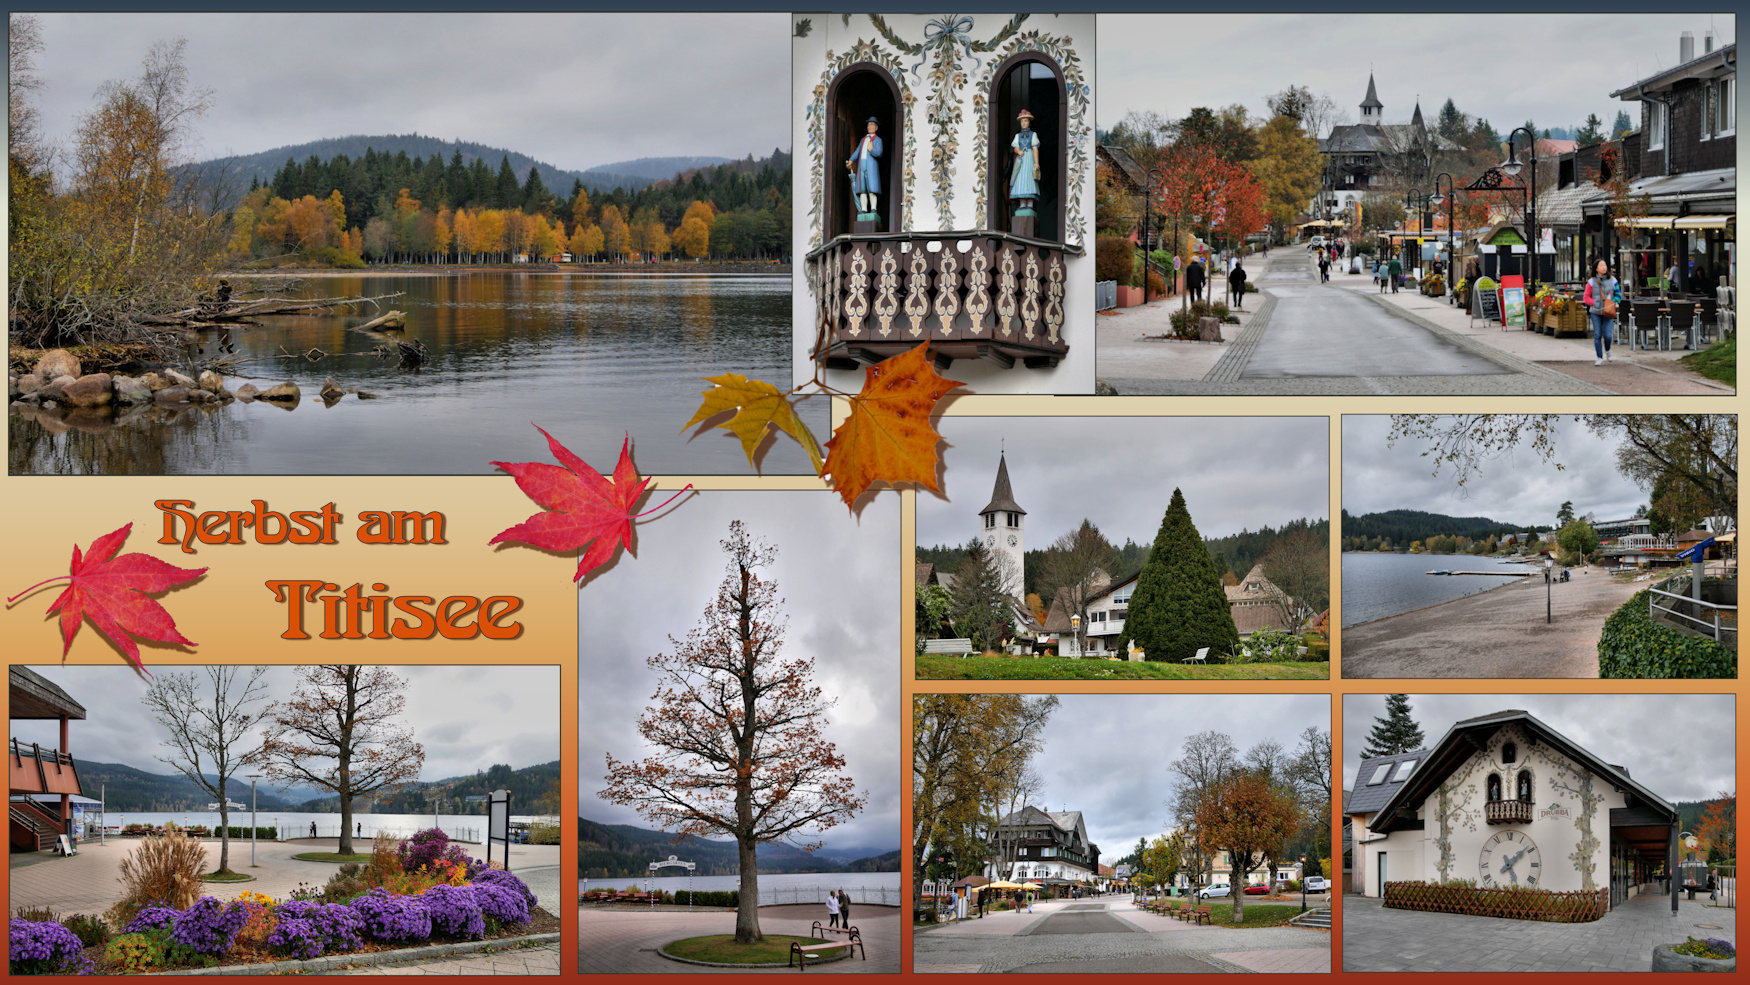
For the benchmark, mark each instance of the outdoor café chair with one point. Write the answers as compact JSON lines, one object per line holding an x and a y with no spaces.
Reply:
{"x":1647,"y":321}
{"x":1707,"y":317}
{"x":1682,"y":319}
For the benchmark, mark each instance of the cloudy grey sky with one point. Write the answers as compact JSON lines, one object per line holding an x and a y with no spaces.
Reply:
{"x":1551,"y":68}
{"x":839,"y":578}
{"x":1120,"y":472}
{"x":1093,"y":763}
{"x":1518,"y":487}
{"x":575,"y":90}
{"x":467,"y":717}
{"x":1682,"y":746}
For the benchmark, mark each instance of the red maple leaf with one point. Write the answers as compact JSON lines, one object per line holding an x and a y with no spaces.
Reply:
{"x":581,"y":505}
{"x":113,"y":593}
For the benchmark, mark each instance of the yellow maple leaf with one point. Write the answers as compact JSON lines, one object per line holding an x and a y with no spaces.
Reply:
{"x":759,"y":406}
{"x":888,"y":437}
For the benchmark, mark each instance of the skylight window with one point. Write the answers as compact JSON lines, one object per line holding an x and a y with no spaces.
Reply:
{"x":1379,"y":775}
{"x":1404,"y":769}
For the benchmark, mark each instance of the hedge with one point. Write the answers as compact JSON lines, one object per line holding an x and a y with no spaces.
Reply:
{"x":1513,"y":904}
{"x":1634,"y":646}
{"x":262,"y":831}
{"x":731,"y":897}
{"x":1114,"y":259}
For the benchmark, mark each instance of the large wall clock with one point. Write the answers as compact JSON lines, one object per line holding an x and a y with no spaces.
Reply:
{"x":1510,"y":858}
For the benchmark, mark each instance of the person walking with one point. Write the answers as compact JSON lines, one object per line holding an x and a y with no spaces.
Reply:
{"x":1602,"y":296}
{"x":1194,"y":280}
{"x":1394,"y":270}
{"x":844,"y":909}
{"x":1236,"y":283}
{"x":832,"y":910}
{"x":312,"y":829}
{"x":1379,"y":275}
{"x":1324,"y":270}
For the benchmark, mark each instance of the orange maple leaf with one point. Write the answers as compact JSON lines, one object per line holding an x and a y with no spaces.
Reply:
{"x":888,"y":437}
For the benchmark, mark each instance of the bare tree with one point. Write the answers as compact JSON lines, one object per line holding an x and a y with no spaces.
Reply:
{"x":1077,"y":566}
{"x":208,"y":720}
{"x":1299,"y":565}
{"x":738,"y":732}
{"x":1206,"y":760}
{"x":24,"y":41}
{"x":339,"y":731}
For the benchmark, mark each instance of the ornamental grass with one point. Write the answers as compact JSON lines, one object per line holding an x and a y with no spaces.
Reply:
{"x":164,"y":870}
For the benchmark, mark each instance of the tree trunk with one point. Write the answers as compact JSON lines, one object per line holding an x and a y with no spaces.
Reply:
{"x":224,"y":827}
{"x":345,"y":776}
{"x":747,"y":913}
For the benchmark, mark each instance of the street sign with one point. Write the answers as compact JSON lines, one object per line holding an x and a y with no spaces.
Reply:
{"x":1697,"y":553}
{"x":1489,"y":305}
{"x":1178,"y":263}
{"x":498,"y":825}
{"x":1513,"y":300}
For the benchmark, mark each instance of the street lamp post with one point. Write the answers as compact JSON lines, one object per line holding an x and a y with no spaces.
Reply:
{"x":1075,"y":625}
{"x":252,"y":780}
{"x":1549,"y":578}
{"x":1303,"y":884}
{"x":1154,"y":175}
{"x":1511,"y":166}
{"x":1450,"y":200}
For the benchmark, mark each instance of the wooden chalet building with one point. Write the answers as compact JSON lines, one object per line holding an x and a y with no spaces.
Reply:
{"x":1049,"y":848}
{"x":36,"y":771}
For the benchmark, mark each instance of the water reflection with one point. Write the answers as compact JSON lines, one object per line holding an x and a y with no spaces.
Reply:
{"x":589,"y":357}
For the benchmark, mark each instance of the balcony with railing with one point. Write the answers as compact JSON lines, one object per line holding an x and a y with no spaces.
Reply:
{"x":973,"y":295}
{"x":34,"y":769}
{"x":1508,"y":811}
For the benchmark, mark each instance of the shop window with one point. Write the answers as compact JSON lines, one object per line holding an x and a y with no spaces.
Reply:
{"x":859,"y":92}
{"x":1032,"y":81}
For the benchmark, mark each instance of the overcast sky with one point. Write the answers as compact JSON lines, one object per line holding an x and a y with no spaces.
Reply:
{"x":574,"y":90}
{"x":1551,"y":68}
{"x":468,"y":717}
{"x":1517,"y":488}
{"x":1093,"y":763}
{"x":1120,"y":472}
{"x":1680,"y":746}
{"x":839,"y":578}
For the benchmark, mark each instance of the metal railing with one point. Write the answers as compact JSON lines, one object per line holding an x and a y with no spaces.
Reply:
{"x":782,"y":895}
{"x":1671,"y":599}
{"x":290,"y":831}
{"x":1105,"y":295}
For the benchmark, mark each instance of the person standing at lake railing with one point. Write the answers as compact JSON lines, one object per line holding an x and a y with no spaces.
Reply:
{"x":832,"y":910}
{"x":844,"y":909}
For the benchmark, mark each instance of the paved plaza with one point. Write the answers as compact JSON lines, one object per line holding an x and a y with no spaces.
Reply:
{"x":1344,"y":338}
{"x":1376,"y":939}
{"x":621,"y":940}
{"x":90,"y":882}
{"x":1112,"y":935}
{"x":542,"y":960}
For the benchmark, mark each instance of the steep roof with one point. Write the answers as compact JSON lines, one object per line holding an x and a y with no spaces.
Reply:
{"x":1416,"y":117}
{"x":1002,"y":497}
{"x":1372,"y":100}
{"x":1698,"y":66}
{"x":1368,"y":798}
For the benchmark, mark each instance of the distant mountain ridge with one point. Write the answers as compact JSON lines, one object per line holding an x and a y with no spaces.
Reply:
{"x":1403,"y":526}
{"x":526,"y":786}
{"x":616,"y":851}
{"x":125,"y":788}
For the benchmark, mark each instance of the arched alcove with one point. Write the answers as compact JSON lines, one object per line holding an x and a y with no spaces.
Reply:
{"x":1524,"y":786}
{"x":860,"y":91}
{"x":1494,"y":788}
{"x":1033,"y":81}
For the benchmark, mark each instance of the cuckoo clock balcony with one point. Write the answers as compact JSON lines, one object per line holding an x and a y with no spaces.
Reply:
{"x":972,"y":295}
{"x":1509,"y":811}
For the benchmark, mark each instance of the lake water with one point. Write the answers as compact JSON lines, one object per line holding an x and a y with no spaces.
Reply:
{"x":296,"y":824}
{"x":589,"y":357}
{"x":775,"y":887}
{"x":1380,"y":585}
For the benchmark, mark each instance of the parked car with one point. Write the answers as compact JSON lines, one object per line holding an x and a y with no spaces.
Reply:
{"x":1215,"y":890}
{"x":1318,"y":884}
{"x":1315,"y":243}
{"x":1258,"y":890}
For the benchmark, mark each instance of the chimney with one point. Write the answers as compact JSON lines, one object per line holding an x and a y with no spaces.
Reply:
{"x":1707,"y":42}
{"x":1686,"y":47}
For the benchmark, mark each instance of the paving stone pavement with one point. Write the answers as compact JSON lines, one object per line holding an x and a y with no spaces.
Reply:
{"x":542,"y":960}
{"x":1157,"y":943}
{"x":613,"y":941}
{"x":1376,"y":939}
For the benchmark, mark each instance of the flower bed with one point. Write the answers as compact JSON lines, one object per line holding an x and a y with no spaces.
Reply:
{"x":1511,"y":904}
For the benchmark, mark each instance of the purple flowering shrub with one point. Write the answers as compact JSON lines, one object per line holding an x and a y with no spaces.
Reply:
{"x":209,"y":926}
{"x":505,"y":880}
{"x":393,"y":918}
{"x":45,"y":948}
{"x":500,"y":902}
{"x":316,"y":929}
{"x":454,"y":911}
{"x":424,"y":849}
{"x":151,"y":918}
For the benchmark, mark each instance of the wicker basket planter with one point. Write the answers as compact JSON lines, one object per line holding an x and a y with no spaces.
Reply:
{"x":1665,"y":959}
{"x":1510,"y":904}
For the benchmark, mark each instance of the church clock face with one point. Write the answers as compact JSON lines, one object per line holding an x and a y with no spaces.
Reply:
{"x":1013,"y":540}
{"x":1510,"y":858}
{"x":990,"y":540}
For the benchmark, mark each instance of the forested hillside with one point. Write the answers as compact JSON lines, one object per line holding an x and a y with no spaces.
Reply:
{"x":621,"y":850}
{"x":1396,"y":530}
{"x":533,"y":790}
{"x":124,"y":788}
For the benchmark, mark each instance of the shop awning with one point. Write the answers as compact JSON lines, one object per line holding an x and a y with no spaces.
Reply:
{"x":1703,"y":222}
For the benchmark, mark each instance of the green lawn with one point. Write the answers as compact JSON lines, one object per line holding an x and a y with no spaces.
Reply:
{"x":1717,"y":362}
{"x":722,"y":949}
{"x":937,"y":667}
{"x":1221,"y":914}
{"x":333,"y":857}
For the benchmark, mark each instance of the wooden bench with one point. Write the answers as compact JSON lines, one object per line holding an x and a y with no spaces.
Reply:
{"x":820,"y":930}
{"x":961,"y":648}
{"x":1200,"y":657}
{"x":1200,"y":915}
{"x":799,"y":951}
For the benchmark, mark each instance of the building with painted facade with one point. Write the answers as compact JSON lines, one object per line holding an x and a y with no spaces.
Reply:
{"x":1046,"y":847}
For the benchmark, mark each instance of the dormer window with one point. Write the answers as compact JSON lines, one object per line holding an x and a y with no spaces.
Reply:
{"x":1509,"y":753}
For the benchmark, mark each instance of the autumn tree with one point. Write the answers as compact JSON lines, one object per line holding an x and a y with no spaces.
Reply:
{"x":738,"y":731}
{"x":1162,"y":859}
{"x":211,"y":718}
{"x":340,"y":731}
{"x":1179,"y":606}
{"x":1289,"y":166}
{"x":1299,"y":565}
{"x":1246,"y":815}
{"x":693,"y":236}
{"x":1078,"y":565}
{"x":1719,"y":823}
{"x":1205,"y":762}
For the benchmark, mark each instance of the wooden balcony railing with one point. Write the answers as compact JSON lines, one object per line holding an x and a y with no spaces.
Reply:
{"x":34,"y":769}
{"x":1508,"y":811}
{"x":972,"y":295}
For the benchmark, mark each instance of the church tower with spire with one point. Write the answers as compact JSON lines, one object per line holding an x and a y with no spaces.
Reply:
{"x":1002,"y":528}
{"x":1372,"y":110}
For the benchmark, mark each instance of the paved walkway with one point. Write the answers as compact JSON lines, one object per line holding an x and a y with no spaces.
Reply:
{"x":90,"y":882}
{"x":542,"y":960}
{"x":1344,"y":338}
{"x":1376,"y":939}
{"x":616,"y":941}
{"x":1111,"y":934}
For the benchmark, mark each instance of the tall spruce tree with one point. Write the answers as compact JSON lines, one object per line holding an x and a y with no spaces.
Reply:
{"x":1179,"y":606}
{"x":1395,"y":733}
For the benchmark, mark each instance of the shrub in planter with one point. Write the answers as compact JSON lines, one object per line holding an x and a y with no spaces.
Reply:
{"x":1632,"y":645}
{"x":1114,"y":259}
{"x":209,"y":926}
{"x":1707,"y":955}
{"x":500,"y":902}
{"x":91,"y":930}
{"x":454,"y":912}
{"x":392,"y":918}
{"x":151,"y":918}
{"x":509,"y":882}
{"x":44,"y":947}
{"x":309,"y":930}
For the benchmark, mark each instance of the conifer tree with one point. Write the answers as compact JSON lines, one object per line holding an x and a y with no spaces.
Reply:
{"x":1395,"y":733}
{"x":1179,"y":606}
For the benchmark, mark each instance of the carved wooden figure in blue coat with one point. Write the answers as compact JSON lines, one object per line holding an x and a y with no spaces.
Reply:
{"x":865,"y":169}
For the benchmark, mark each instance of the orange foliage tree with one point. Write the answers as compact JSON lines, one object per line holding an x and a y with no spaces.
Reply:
{"x":1247,"y":816}
{"x":1719,"y":823}
{"x":736,"y":730}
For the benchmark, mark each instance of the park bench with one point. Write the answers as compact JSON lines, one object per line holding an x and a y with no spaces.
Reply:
{"x":799,"y":951}
{"x":962,"y":647}
{"x":821,"y":930}
{"x":1201,"y":915}
{"x":1200,"y":657}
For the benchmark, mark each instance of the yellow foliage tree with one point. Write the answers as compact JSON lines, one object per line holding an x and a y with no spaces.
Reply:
{"x":656,"y":240}
{"x":586,"y":241}
{"x":580,"y":208}
{"x":616,"y":237}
